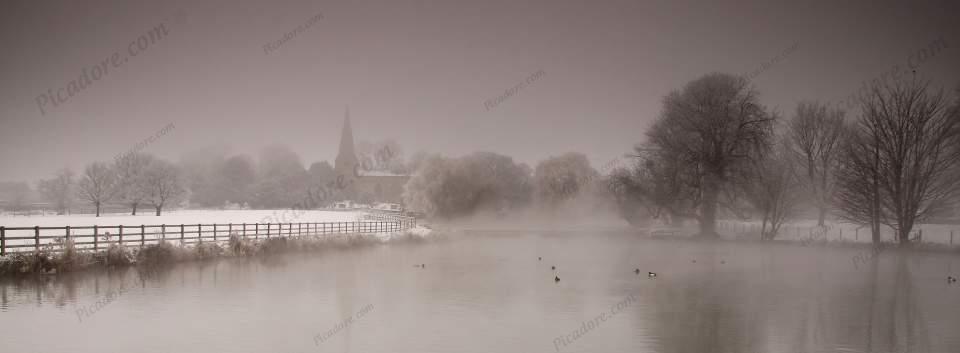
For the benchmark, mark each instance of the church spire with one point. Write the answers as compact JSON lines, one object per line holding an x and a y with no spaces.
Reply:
{"x":346,"y":157}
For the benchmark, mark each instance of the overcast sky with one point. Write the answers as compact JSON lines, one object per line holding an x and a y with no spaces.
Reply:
{"x":420,"y":71}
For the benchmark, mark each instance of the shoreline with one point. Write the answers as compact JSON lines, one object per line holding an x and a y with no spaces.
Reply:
{"x":46,"y":263}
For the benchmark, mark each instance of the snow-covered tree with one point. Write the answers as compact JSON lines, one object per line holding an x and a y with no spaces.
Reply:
{"x":131,"y":178}
{"x":448,"y":188}
{"x":562,"y":178}
{"x":97,"y":185}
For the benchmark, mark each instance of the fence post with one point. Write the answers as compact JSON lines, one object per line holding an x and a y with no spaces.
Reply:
{"x":95,"y":238}
{"x":256,"y":231}
{"x":67,"y":232}
{"x":120,"y":235}
{"x":163,"y":232}
{"x":229,"y":229}
{"x":3,"y":240}
{"x":36,"y":238}
{"x":181,"y":234}
{"x":268,"y":230}
{"x":244,"y":230}
{"x":214,"y":232}
{"x":143,"y":235}
{"x":200,"y":233}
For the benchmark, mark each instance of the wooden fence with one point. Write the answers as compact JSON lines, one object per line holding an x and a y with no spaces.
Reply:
{"x":14,"y":239}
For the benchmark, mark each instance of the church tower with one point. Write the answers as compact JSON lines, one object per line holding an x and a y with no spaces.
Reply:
{"x":346,"y":158}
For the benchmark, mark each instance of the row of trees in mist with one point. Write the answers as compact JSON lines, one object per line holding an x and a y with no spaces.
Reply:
{"x":136,"y":179}
{"x":716,"y":148}
{"x":448,"y":187}
{"x":278,"y":179}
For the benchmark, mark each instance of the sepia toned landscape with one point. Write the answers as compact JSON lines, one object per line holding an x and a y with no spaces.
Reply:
{"x":480,"y":176}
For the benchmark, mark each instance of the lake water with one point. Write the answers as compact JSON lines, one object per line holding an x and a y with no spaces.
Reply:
{"x":488,"y":292}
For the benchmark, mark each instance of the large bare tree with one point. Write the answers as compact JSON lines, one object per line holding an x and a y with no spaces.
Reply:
{"x":714,"y":124}
{"x":97,"y":185}
{"x":164,"y":183}
{"x":815,"y":135}
{"x":58,"y":189}
{"x":903,"y":159}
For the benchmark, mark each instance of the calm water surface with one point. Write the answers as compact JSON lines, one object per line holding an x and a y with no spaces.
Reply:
{"x":489,"y":293}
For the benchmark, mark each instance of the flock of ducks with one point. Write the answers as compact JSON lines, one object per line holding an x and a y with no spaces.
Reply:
{"x":556,"y":278}
{"x":651,"y":275}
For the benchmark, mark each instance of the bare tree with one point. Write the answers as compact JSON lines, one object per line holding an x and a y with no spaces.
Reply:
{"x":815,"y":136}
{"x":772,"y":187}
{"x":58,"y":189}
{"x":97,"y":185}
{"x":857,"y":195}
{"x":131,"y":177}
{"x":163,"y":184}
{"x":902,"y":161}
{"x":714,"y":124}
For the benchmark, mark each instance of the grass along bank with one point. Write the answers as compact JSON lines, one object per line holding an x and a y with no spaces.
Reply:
{"x":47,"y":261}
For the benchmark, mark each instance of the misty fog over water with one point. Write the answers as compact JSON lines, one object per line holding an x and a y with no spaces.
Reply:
{"x":682,"y":176}
{"x":490,"y":293}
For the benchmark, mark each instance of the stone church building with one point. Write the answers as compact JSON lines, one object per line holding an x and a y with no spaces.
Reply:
{"x":365,"y":186}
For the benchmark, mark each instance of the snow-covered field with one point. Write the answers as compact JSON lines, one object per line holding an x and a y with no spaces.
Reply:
{"x":189,"y":218}
{"x":183,"y":217}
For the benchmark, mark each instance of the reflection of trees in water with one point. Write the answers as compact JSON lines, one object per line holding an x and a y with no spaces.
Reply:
{"x":708,"y":313}
{"x":806,"y":310}
{"x":895,"y":321}
{"x":883,"y":316}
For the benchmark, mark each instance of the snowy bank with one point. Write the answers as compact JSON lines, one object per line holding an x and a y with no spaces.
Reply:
{"x":184,"y":217}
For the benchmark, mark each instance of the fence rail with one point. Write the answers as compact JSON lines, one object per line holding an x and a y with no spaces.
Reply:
{"x":97,"y":237}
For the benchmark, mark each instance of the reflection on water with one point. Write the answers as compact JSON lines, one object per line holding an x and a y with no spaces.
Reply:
{"x":488,"y":293}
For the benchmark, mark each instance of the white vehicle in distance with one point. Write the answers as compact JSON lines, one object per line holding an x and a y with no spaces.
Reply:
{"x":390,"y":207}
